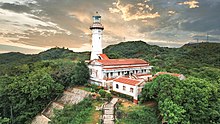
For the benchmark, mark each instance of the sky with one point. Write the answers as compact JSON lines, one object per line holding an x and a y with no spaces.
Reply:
{"x":32,"y":26}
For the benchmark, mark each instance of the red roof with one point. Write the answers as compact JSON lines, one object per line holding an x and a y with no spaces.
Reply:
{"x":103,"y":56}
{"x":125,"y":67}
{"x":128,"y":81}
{"x":110,"y":62}
{"x":161,"y":73}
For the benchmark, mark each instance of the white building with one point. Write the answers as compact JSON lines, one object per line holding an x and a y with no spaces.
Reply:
{"x":104,"y":70}
{"x":107,"y":72}
{"x":126,"y":76}
{"x":130,"y":86}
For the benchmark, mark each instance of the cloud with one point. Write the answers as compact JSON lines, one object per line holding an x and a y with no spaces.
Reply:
{"x":50,"y":23}
{"x":6,"y":45}
{"x":20,"y":26}
{"x":165,"y":43}
{"x":204,"y":19}
{"x":19,"y":2}
{"x":15,"y":7}
{"x":170,"y":12}
{"x":130,"y":12}
{"x":191,"y":3}
{"x":8,"y":48}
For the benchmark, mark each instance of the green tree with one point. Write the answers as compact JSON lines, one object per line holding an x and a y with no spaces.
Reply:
{"x":188,"y":101}
{"x":4,"y":120}
{"x":62,"y":71}
{"x":80,"y":74}
{"x":26,"y":95}
{"x":171,"y":112}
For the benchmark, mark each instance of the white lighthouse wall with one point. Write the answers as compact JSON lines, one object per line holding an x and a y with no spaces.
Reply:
{"x":96,"y":43}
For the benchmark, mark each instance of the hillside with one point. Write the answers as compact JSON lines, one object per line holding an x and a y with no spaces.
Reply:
{"x":30,"y":82}
{"x":180,"y":60}
{"x":53,"y":53}
{"x":186,"y":59}
{"x":9,"y":61}
{"x":10,"y":58}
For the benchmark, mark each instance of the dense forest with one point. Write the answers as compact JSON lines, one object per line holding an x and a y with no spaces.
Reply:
{"x":29,"y":82}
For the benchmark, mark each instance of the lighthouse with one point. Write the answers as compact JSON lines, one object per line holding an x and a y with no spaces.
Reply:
{"x":97,"y":30}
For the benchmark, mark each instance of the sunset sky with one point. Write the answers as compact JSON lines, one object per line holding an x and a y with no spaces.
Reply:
{"x":31,"y":26}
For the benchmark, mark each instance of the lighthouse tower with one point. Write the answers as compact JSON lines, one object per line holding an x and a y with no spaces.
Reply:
{"x":97,"y":30}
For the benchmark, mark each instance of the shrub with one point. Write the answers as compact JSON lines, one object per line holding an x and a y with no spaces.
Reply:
{"x":95,"y":88}
{"x":102,"y":93}
{"x":108,"y":96}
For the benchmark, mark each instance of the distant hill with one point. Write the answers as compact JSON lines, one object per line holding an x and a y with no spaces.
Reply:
{"x":62,"y":53}
{"x":185,"y":59}
{"x":9,"y":61}
{"x":16,"y":58}
{"x":208,"y":53}
{"x":133,"y":49}
{"x":53,"y":53}
{"x":179,"y":60}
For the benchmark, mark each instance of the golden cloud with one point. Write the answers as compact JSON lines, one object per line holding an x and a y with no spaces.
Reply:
{"x":134,"y":12}
{"x":191,"y":3}
{"x":170,"y":13}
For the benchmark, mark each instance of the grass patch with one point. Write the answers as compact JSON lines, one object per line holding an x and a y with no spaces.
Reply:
{"x":73,"y":114}
{"x":94,"y":114}
{"x":81,"y":113}
{"x":137,"y":115}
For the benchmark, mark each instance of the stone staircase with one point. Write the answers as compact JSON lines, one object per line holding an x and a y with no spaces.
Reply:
{"x":108,"y":116}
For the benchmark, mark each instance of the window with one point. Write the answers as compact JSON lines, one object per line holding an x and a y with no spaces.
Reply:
{"x":107,"y":75}
{"x":90,"y":71}
{"x":131,"y":90}
{"x":124,"y":87}
{"x":136,"y":71}
{"x":118,"y":73}
{"x":111,"y":74}
{"x":127,"y":73}
{"x":96,"y":73}
{"x":117,"y":86}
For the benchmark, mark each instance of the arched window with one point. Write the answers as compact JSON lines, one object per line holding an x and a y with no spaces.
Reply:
{"x":131,"y":90}
{"x":124,"y":87}
{"x":111,"y":74}
{"x":117,"y":86}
